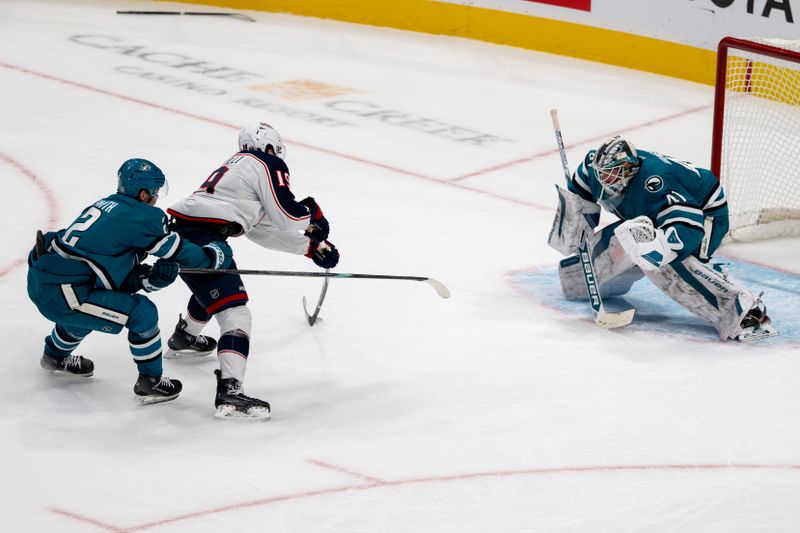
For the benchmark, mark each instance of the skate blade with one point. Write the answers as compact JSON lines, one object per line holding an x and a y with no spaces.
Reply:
{"x":68,"y":375}
{"x":184,"y":354}
{"x":150,"y":400}
{"x":254,"y":413}
{"x":764,"y":332}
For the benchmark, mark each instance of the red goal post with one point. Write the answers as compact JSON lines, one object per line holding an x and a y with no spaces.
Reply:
{"x":756,"y":135}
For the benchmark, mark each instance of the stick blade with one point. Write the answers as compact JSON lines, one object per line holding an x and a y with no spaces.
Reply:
{"x":440,"y":289}
{"x":614,"y":320}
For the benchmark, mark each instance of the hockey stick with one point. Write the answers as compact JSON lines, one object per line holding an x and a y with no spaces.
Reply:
{"x":240,"y":16}
{"x":440,"y":289}
{"x":313,"y":318}
{"x":601,"y":317}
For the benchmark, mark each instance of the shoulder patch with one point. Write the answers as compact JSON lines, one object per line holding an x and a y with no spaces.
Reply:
{"x":654,"y":184}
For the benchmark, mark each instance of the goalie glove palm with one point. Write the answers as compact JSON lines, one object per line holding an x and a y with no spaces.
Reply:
{"x":649,"y":247}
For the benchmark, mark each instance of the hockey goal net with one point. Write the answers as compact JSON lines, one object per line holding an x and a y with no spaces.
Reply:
{"x":756,"y":139}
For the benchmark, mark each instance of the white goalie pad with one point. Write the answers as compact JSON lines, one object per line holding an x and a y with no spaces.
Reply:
{"x":574,"y":217}
{"x":613,"y":269}
{"x":707,"y":293}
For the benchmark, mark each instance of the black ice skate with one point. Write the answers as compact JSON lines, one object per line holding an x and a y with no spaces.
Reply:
{"x":156,"y":389}
{"x":182,"y":344}
{"x":231,"y":401}
{"x":75,"y":365}
{"x":756,"y":324}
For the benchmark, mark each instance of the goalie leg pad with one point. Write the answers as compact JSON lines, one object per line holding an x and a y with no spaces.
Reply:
{"x":707,"y":293}
{"x":613,"y":269}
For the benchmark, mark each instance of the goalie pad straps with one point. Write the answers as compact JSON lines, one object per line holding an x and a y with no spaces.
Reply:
{"x":706,"y":293}
{"x":574,"y":216}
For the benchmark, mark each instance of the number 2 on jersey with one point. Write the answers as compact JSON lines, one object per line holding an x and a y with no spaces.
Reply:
{"x":84,"y":222}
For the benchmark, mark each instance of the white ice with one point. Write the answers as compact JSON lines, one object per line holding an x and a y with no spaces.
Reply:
{"x":399,"y":411}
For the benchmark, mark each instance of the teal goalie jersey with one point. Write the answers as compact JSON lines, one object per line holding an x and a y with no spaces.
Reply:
{"x":669,"y":192}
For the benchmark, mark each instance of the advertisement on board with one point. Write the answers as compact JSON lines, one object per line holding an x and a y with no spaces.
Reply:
{"x":698,"y":23}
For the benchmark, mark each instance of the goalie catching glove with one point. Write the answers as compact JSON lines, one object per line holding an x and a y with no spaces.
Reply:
{"x":647,"y":246}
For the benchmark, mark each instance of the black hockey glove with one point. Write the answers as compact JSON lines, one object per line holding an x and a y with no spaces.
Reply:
{"x":219,"y":254}
{"x":319,"y":229}
{"x":324,"y":254}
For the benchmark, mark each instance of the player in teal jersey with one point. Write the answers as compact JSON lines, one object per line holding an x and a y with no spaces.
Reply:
{"x":85,"y":278}
{"x":673,"y":217}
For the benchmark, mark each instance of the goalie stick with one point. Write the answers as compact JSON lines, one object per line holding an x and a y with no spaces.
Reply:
{"x":440,"y":289}
{"x":602,"y":317}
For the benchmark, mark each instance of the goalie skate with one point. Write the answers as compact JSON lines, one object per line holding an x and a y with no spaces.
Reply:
{"x":232,"y":403}
{"x":756,"y":325}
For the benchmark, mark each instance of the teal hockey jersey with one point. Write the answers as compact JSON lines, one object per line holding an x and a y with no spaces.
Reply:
{"x":667,"y":191}
{"x":109,"y":239}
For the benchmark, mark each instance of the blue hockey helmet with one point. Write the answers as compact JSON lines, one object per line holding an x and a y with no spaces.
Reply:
{"x":616,"y":163}
{"x":137,"y":174}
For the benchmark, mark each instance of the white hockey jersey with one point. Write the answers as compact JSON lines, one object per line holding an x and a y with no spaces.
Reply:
{"x":250,"y":189}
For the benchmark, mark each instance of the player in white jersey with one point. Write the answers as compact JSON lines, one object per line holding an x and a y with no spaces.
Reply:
{"x":248,"y":195}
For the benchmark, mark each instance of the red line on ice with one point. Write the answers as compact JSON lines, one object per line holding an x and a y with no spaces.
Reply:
{"x":425,"y":480}
{"x":50,"y":202}
{"x":346,"y":471}
{"x":590,"y":141}
{"x":84,"y":519}
{"x":304,"y":145}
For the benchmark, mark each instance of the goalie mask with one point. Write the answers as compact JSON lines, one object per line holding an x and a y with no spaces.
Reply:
{"x":616,"y":163}
{"x":259,"y":136}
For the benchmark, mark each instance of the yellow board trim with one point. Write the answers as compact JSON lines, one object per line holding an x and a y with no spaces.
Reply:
{"x":500,"y":27}
{"x":764,"y":80}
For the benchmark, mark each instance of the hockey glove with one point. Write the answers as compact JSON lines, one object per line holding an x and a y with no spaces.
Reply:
{"x":151,"y":278}
{"x":649,"y":247}
{"x":160,"y":275}
{"x":319,"y":229}
{"x":324,"y":254}
{"x":219,"y":254}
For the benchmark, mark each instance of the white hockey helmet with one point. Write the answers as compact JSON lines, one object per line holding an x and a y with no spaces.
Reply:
{"x":260,"y":135}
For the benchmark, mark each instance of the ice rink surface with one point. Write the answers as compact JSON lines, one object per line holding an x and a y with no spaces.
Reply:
{"x":500,"y":409}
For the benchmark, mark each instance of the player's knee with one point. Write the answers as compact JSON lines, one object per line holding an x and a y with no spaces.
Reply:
{"x":235,"y":318}
{"x":143,"y":319}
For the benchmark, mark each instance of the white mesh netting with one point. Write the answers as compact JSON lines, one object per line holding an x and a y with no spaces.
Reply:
{"x":760,"y":159}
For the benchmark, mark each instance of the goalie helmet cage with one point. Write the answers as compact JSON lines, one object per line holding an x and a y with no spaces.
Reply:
{"x":756,"y":137}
